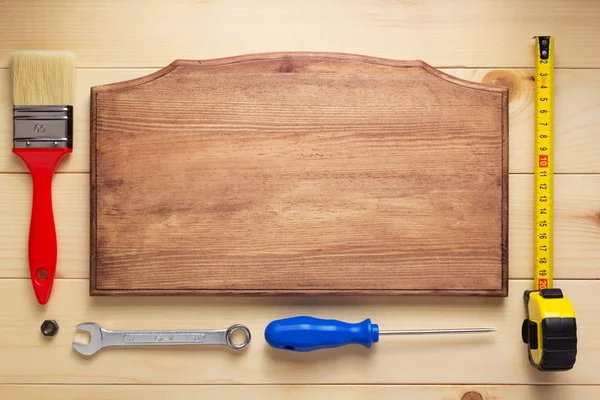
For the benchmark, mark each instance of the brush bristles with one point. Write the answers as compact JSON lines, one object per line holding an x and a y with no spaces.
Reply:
{"x":42,"y":78}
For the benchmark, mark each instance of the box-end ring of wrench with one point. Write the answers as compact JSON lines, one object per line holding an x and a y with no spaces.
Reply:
{"x":101,"y":338}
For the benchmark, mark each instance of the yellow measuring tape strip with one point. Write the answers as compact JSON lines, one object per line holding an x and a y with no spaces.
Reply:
{"x":550,"y":330}
{"x":544,"y":162}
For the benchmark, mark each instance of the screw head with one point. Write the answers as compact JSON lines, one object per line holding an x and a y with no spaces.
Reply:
{"x":49,"y":327}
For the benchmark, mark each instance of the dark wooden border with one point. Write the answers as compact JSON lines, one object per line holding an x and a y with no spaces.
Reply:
{"x":283,"y":60}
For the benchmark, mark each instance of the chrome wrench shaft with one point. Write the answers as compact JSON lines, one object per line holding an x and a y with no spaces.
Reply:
{"x":101,"y":338}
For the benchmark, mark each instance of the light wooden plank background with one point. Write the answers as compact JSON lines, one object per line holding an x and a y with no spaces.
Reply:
{"x":484,"y":41}
{"x":298,"y":392}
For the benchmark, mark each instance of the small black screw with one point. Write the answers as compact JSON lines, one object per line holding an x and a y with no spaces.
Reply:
{"x":49,"y":327}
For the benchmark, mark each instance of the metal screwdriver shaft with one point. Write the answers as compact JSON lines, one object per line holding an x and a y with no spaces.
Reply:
{"x":437,"y":331}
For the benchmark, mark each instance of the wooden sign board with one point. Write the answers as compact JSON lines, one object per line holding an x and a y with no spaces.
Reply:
{"x":299,"y":173}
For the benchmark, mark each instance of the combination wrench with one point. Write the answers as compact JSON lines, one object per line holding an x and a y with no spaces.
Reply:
{"x":101,"y":338}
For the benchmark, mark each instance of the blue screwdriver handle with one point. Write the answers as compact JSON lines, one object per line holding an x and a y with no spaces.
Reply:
{"x":308,"y":333}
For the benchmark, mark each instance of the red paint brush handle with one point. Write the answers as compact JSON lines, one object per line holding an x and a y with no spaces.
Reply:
{"x":42,"y":233}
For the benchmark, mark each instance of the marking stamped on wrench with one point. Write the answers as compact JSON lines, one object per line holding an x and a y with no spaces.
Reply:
{"x":100,"y":338}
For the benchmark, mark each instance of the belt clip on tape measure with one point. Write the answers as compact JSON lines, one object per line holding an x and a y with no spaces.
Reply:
{"x":550,"y":330}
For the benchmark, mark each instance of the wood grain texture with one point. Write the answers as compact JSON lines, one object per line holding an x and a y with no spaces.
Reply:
{"x":576,"y":116}
{"x":139,"y":33}
{"x":297,"y":392}
{"x":577,"y":236}
{"x":299,"y":173}
{"x":397,"y":360}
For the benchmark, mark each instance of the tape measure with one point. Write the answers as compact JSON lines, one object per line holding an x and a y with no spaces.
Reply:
{"x":550,"y":330}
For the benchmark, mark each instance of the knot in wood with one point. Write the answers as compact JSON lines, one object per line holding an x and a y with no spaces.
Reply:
{"x":472,"y":396}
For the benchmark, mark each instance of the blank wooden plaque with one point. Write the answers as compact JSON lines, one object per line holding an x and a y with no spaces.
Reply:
{"x":299,"y":173}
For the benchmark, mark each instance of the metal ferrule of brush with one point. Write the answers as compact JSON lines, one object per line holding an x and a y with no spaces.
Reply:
{"x":43,"y":127}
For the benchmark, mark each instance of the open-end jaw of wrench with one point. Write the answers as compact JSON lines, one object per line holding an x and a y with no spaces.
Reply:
{"x":100,"y":338}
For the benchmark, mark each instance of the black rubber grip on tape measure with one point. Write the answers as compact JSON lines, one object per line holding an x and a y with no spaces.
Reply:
{"x":559,"y":345}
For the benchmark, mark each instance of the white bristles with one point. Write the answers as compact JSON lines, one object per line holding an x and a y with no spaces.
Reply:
{"x":42,"y":78}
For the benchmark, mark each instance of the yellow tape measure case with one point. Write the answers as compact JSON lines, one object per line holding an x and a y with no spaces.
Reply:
{"x":550,"y":330}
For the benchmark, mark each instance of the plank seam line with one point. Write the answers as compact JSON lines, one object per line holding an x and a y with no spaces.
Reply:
{"x":152,"y":68}
{"x":27,"y":278}
{"x":123,"y":68}
{"x":450,"y":385}
{"x":87,"y":173}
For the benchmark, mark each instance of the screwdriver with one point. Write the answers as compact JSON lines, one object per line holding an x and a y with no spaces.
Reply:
{"x":308,"y":333}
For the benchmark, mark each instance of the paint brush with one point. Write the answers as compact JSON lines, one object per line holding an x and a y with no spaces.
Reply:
{"x":43,"y":135}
